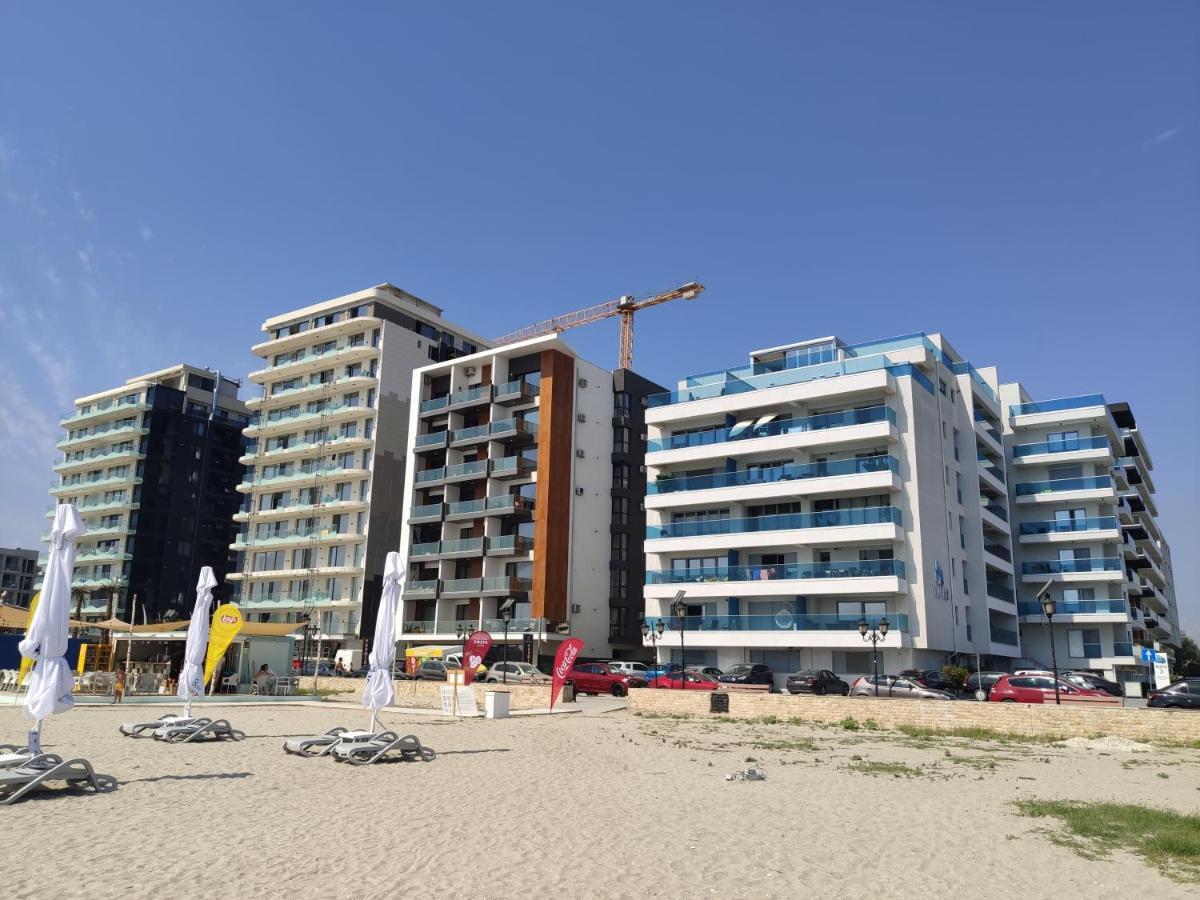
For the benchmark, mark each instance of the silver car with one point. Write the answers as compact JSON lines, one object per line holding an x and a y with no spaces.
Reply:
{"x":896,"y":688}
{"x":517,"y":673}
{"x":630,"y":668}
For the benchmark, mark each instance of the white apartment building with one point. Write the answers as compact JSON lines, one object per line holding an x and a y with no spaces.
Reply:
{"x":325,"y":465}
{"x":1085,"y":517}
{"x":518,"y":490}
{"x":822,"y":485}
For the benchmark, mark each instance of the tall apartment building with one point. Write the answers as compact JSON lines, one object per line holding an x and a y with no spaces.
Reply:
{"x":824,"y":484}
{"x":18,"y":572}
{"x":152,"y":466}
{"x":524,"y":485}
{"x":1085,"y":518}
{"x":325,"y":465}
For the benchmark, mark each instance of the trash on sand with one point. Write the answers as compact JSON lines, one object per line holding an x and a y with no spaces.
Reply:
{"x":747,"y":775}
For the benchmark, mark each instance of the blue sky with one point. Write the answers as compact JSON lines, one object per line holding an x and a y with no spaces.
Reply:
{"x":1022,"y":177}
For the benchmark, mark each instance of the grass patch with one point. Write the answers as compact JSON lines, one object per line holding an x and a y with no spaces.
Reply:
{"x":849,"y":724}
{"x":895,"y":769}
{"x":1167,"y":840}
{"x":319,"y":692}
{"x":924,"y":732}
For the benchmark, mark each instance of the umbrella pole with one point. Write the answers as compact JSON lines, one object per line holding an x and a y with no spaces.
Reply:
{"x":374,"y":719}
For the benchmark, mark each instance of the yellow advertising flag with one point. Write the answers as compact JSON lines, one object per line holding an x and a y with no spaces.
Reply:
{"x":26,"y":662}
{"x":226,"y":623}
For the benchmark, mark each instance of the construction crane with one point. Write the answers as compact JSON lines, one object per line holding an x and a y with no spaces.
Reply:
{"x":624,"y":307}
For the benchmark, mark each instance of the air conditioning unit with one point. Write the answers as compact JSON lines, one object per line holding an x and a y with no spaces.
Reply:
{"x":563,"y":628}
{"x":581,"y":417}
{"x":469,"y":371}
{"x":579,"y":454}
{"x":578,"y":492}
{"x":576,"y":608}
{"x":583,"y":382}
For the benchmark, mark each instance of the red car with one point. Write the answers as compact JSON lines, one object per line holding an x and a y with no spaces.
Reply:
{"x":1040,"y":689}
{"x":597,"y":678}
{"x":693,"y":681}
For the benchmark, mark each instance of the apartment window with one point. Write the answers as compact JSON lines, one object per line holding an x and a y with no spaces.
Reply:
{"x":620,"y":547}
{"x":1062,"y":441}
{"x":955,"y":440}
{"x":620,"y":478}
{"x":337,"y":556}
{"x":1084,"y":643}
{"x":621,"y":403}
{"x":958,"y":486}
{"x":618,"y":621}
{"x":966,"y":585}
{"x":621,"y":440}
{"x":620,"y":510}
{"x":942,"y":386}
{"x":618,"y":584}
{"x":1078,"y":595}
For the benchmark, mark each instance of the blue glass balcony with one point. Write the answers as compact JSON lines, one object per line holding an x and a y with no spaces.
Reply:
{"x":745,"y":432}
{"x":999,"y":591}
{"x":1064,"y":403}
{"x":782,"y":621}
{"x":1122,"y":648}
{"x":1068,"y":566}
{"x":867,"y":568}
{"x":1065,"y":445}
{"x":1062,"y":526}
{"x":1087,"y":483}
{"x":876,"y":515}
{"x":1004,"y":636}
{"x":996,"y":510}
{"x":1074,"y":607}
{"x":788,"y":472}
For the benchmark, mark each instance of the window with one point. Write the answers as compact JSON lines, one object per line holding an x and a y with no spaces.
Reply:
{"x":1084,"y":643}
{"x":620,"y":475}
{"x":955,"y":439}
{"x":1062,"y":441}
{"x":942,"y":385}
{"x":962,"y":532}
{"x":620,"y":510}
{"x":618,"y":621}
{"x":621,"y":403}
{"x":620,"y":440}
{"x":958,"y":486}
{"x":618,"y":584}
{"x":620,"y":547}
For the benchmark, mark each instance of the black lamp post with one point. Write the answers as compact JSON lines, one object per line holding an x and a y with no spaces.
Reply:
{"x":874,"y":635}
{"x":680,"y":610}
{"x":654,"y":633}
{"x":506,"y":615}
{"x":1048,"y":609}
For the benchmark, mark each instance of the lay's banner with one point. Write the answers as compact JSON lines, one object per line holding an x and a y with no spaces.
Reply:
{"x":564,"y":661}
{"x":226,"y":623}
{"x":26,"y":662}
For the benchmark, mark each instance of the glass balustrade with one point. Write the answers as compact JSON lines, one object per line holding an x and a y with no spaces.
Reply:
{"x":766,"y":475}
{"x":867,"y":568}
{"x":875,"y":515}
{"x":747,"y":431}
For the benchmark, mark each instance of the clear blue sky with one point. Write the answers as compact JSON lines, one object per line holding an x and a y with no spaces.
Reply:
{"x":1021,"y":176}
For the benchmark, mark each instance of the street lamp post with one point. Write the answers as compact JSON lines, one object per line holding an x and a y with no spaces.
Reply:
{"x":680,"y":610}
{"x":506,"y":615}
{"x":874,"y":635}
{"x":1049,"y":607}
{"x":654,"y":633}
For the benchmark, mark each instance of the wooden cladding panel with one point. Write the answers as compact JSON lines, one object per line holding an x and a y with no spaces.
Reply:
{"x":552,"y":512}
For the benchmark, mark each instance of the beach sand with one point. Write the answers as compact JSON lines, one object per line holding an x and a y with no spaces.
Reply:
{"x":605,"y":805}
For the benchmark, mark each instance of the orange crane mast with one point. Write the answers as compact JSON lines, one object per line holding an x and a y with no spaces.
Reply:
{"x":624,"y":307}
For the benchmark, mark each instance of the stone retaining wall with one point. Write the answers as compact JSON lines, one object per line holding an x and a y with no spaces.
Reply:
{"x":427,"y":694}
{"x":1019,"y":718}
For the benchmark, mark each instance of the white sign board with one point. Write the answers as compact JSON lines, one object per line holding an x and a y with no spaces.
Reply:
{"x":1162,"y":676}
{"x":447,"y":700}
{"x":466,"y":701}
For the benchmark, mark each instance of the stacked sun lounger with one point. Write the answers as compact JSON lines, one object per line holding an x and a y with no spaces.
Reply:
{"x":360,"y":748}
{"x":41,"y":769}
{"x":183,"y":730}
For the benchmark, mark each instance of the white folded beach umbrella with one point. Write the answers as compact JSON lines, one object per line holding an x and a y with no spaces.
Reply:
{"x":191,"y":679}
{"x":379,"y":692}
{"x":45,"y":642}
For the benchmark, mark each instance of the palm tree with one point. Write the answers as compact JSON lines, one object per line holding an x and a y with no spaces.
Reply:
{"x":78,"y":594}
{"x":112,"y":587}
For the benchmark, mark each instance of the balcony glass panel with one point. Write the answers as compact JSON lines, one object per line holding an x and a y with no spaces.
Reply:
{"x":477,"y":467}
{"x":788,"y":472}
{"x":515,"y":626}
{"x":1073,"y":607}
{"x":462,"y":545}
{"x":1067,"y":445}
{"x":433,"y":439}
{"x":868,"y":568}
{"x":462,"y":507}
{"x":430,"y":548}
{"x":841,"y":419}
{"x":1004,"y":636}
{"x":1043,"y":406}
{"x":432,"y":510}
{"x":1087,"y":483}
{"x":875,"y":515}
{"x":430,"y":475}
{"x":434,"y":404}
{"x":1123,"y":648}
{"x":1060,"y":526}
{"x":1067,"y":566}
{"x":1000,"y":591}
{"x":782,"y":621}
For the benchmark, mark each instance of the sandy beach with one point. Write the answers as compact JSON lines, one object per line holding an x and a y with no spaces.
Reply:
{"x":609,"y":805}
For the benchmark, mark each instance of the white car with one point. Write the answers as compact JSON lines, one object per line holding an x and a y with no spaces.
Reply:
{"x":518,"y":673}
{"x":629,"y":667}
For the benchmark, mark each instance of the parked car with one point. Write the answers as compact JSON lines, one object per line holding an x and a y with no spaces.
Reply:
{"x":692,"y":681}
{"x":518,"y":673}
{"x":454,"y":661}
{"x":1040,"y":689}
{"x":745,"y":673}
{"x":1094,"y":682}
{"x":432,"y":670}
{"x":981,"y":681}
{"x":629,"y":667}
{"x":711,"y":671}
{"x":932,"y":678}
{"x":1183,"y":694}
{"x":654,"y":671}
{"x":895,"y":687}
{"x":816,"y":681}
{"x":323,"y":669}
{"x":598,"y":678}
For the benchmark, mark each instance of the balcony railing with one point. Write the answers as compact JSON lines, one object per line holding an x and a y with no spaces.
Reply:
{"x":987,"y":464}
{"x":1086,"y":483}
{"x":1004,"y":636}
{"x":1045,"y":406}
{"x":875,"y":515}
{"x":767,"y":475}
{"x":1062,"y":526}
{"x":782,"y":621}
{"x":1000,"y":591}
{"x":1122,"y":648}
{"x":995,"y":509}
{"x":470,"y":395}
{"x":515,"y":391}
{"x":1069,"y":566}
{"x":432,"y":439}
{"x":998,"y":550}
{"x":868,"y":568}
{"x":1074,"y":607}
{"x":842,"y":419}
{"x":1064,"y":445}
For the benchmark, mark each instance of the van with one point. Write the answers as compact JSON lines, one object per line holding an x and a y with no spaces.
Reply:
{"x":629,"y":667}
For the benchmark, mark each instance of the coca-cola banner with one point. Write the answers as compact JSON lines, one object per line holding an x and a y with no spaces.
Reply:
{"x":564,"y":660}
{"x":475,"y":651}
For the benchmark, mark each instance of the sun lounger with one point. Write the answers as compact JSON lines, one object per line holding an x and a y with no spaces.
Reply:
{"x":363,"y":753}
{"x":146,"y":729}
{"x":323,"y":744}
{"x":199,"y":730}
{"x":11,"y":755}
{"x":48,"y":768}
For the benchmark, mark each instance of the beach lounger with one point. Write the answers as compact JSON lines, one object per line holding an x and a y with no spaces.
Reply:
{"x":146,"y":729}
{"x":199,"y":730}
{"x":363,"y":753}
{"x":47,"y":768}
{"x":323,"y":744}
{"x":11,"y":755}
